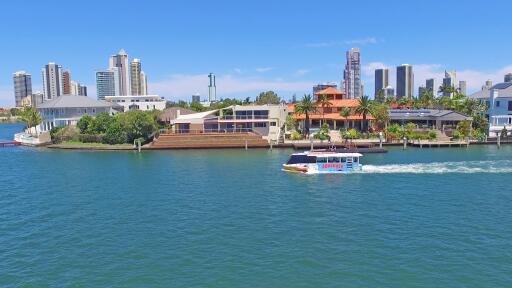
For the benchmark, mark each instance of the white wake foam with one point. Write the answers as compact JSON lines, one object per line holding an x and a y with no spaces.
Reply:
{"x":502,"y":166}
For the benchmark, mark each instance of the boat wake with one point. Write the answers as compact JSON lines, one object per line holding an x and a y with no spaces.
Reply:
{"x":502,"y":166}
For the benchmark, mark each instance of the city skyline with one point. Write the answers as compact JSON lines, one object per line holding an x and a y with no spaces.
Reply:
{"x":308,"y":54}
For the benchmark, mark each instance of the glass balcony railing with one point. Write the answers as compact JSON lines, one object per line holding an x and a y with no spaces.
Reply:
{"x":244,"y":117}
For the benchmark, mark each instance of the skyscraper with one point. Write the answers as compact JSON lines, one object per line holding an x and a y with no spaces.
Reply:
{"x":135,"y":81}
{"x":381,"y":81}
{"x":449,"y":80}
{"x":120,"y":61}
{"x":404,"y":81}
{"x":212,"y":88}
{"x":462,"y":87}
{"x":143,"y":83}
{"x":196,"y":98}
{"x":107,"y":83}
{"x":22,"y":86}
{"x":508,"y":77}
{"x":66,"y":82}
{"x":430,"y":84}
{"x":352,"y":74}
{"x":52,"y":81}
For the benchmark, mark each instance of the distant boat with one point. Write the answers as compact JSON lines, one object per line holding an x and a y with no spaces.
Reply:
{"x":323,"y":161}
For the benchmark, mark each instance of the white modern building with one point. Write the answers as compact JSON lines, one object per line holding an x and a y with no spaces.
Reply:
{"x":107,"y":83}
{"x":138,"y":102}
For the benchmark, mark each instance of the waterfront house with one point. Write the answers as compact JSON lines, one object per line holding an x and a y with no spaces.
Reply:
{"x":331,"y":114}
{"x":138,"y":102}
{"x":428,"y":118}
{"x":265,"y":120}
{"x":67,"y":110}
{"x":499,"y":101}
{"x":172,"y":113}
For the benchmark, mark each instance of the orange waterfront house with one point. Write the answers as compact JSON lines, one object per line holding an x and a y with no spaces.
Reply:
{"x":331,"y":115}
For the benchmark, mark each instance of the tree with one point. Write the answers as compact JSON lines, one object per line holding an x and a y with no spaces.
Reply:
{"x":464,"y":128}
{"x":345,"y":112}
{"x":306,"y":106}
{"x":380,"y":96}
{"x":381,"y":114}
{"x":84,"y":123}
{"x":269,"y":97}
{"x":137,"y":124}
{"x":31,"y":117}
{"x":291,"y":123}
{"x":323,"y":102}
{"x":100,"y":123}
{"x":427,"y":98}
{"x":197,"y":106}
{"x":115,"y":134}
{"x":364,"y":108}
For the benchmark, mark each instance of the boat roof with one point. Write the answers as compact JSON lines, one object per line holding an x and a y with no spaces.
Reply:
{"x":329,"y":154}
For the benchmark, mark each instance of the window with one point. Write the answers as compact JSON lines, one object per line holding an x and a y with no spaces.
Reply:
{"x":273,"y":124}
{"x":260,"y":124}
{"x":509,"y":105}
{"x":497,"y":103}
{"x":321,"y":160}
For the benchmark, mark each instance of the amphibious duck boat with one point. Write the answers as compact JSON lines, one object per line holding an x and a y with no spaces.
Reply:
{"x":323,"y":161}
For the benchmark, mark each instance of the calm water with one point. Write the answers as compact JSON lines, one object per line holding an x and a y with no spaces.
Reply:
{"x":231,"y":218}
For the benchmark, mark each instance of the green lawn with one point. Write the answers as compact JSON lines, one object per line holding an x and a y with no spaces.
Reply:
{"x":78,"y":145}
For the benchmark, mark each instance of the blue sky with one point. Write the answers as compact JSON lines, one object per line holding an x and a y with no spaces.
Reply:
{"x":254,"y":45}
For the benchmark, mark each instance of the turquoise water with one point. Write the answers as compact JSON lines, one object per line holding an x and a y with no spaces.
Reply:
{"x":232,"y":218}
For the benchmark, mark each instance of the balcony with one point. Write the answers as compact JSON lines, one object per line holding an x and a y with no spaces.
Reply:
{"x":244,"y":117}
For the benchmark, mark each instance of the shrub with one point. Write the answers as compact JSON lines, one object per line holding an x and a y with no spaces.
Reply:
{"x":504,"y":133}
{"x":352,"y":134}
{"x":323,"y":134}
{"x":296,"y":136}
{"x":90,"y":138}
{"x":432,"y":135}
{"x":456,"y":135}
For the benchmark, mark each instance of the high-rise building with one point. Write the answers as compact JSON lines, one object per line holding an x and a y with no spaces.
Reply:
{"x":352,"y":74}
{"x":143,"y":83}
{"x":37,"y":98}
{"x":52,"y":81}
{"x":323,"y":86}
{"x":421,"y":90}
{"x":196,"y":98}
{"x":430,"y":84}
{"x":389,"y":92}
{"x":508,"y":77}
{"x":381,"y":80}
{"x":66,"y":82}
{"x":22,"y":86}
{"x":462,"y":87}
{"x":107,"y":83}
{"x":82,"y":90}
{"x":135,"y":81}
{"x":404,"y":81}
{"x":120,"y":61}
{"x":212,"y":88}
{"x":449,"y":80}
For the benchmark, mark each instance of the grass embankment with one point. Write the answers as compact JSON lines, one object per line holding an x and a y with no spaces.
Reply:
{"x":90,"y":146}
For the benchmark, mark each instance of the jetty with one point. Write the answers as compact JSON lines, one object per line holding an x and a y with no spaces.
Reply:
{"x":10,"y":143}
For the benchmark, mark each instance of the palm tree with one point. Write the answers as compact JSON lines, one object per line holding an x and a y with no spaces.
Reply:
{"x":323,"y":102}
{"x":345,"y":113}
{"x":427,"y":98}
{"x":31,"y":117}
{"x":364,"y":108}
{"x":306,"y":106}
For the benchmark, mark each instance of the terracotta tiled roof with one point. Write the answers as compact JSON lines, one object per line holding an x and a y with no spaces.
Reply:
{"x":335,"y":104}
{"x":332,"y":116}
{"x":329,"y":91}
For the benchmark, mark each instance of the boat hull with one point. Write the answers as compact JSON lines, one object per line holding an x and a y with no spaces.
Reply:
{"x":323,"y":168}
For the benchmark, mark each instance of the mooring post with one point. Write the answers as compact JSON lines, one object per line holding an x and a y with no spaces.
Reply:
{"x":271,"y":143}
{"x":405,"y":143}
{"x":245,"y":144}
{"x":380,"y":140}
{"x":138,"y":145}
{"x":499,"y":141}
{"x":311,"y":140}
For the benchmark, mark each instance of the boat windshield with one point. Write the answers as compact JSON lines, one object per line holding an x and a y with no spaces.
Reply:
{"x":299,"y":159}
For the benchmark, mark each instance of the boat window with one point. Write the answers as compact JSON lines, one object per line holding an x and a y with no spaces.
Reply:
{"x":333,"y":159}
{"x":321,"y":160}
{"x":343,"y":159}
{"x":298,"y":159}
{"x":356,"y":159}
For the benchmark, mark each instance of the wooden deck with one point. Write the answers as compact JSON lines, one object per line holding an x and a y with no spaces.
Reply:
{"x":208,"y":140}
